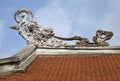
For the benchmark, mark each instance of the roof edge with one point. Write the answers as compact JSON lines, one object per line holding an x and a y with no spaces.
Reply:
{"x":19,"y":62}
{"x":9,"y":60}
{"x":114,"y":50}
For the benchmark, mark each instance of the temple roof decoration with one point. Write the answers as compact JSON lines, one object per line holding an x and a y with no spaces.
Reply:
{"x":43,"y":42}
{"x":33,"y":33}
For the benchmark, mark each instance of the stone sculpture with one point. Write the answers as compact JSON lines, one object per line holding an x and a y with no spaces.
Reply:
{"x":45,"y":37}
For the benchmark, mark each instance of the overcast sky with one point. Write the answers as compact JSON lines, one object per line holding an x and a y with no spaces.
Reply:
{"x":67,"y":18}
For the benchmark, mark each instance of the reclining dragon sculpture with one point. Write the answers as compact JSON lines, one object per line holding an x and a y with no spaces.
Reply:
{"x":45,"y":37}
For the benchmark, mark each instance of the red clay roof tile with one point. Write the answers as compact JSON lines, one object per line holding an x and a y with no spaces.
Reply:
{"x":70,"y":68}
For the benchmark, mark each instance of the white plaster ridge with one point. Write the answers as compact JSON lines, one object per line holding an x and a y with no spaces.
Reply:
{"x":78,"y":51}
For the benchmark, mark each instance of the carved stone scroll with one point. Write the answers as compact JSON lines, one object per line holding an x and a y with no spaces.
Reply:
{"x":45,"y":37}
{"x":102,"y":36}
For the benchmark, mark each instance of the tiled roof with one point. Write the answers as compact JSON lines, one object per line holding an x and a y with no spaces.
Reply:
{"x":70,"y":68}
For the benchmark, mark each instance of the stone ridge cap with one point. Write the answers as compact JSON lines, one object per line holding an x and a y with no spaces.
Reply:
{"x":28,"y":48}
{"x":18,"y":56}
{"x":84,"y":48}
{"x":18,"y":62}
{"x":9,"y":60}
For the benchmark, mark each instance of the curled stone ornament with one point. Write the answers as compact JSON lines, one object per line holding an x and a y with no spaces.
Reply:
{"x":102,"y":36}
{"x":25,"y":11}
{"x":34,"y":34}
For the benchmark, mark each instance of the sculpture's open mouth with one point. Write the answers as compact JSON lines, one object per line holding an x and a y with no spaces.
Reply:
{"x":45,"y":37}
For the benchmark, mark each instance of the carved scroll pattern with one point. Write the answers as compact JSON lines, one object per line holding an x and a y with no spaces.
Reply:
{"x":45,"y":37}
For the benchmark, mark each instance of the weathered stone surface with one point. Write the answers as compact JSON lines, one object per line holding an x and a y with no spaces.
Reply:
{"x":45,"y":37}
{"x":9,"y":60}
{"x":18,"y":62}
{"x":25,"y":52}
{"x":78,"y":51}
